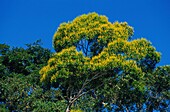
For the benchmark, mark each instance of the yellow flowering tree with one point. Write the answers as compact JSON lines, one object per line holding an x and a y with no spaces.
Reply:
{"x":97,"y":59}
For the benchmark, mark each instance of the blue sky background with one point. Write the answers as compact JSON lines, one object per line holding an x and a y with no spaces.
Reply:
{"x":25,"y":21}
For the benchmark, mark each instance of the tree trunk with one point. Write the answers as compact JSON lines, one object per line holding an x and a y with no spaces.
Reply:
{"x":69,"y":107}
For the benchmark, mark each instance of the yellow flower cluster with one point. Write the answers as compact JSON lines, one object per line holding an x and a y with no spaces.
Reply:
{"x":117,"y":51}
{"x":89,"y":26}
{"x":65,"y":63}
{"x":136,"y":49}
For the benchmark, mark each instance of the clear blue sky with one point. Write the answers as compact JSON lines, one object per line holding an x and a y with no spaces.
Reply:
{"x":25,"y":21}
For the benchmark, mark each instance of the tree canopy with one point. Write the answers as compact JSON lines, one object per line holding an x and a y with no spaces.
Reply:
{"x":98,"y":59}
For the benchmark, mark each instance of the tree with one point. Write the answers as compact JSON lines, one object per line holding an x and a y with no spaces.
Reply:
{"x":98,"y":60}
{"x":20,"y":89}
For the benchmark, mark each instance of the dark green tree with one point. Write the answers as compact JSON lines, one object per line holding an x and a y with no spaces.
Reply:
{"x":20,"y":89}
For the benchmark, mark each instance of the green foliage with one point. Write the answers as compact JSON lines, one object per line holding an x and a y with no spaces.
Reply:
{"x":3,"y":108}
{"x":158,"y":89}
{"x":3,"y":49}
{"x":25,"y":61}
{"x":48,"y":106}
{"x":19,"y":83}
{"x":15,"y":91}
